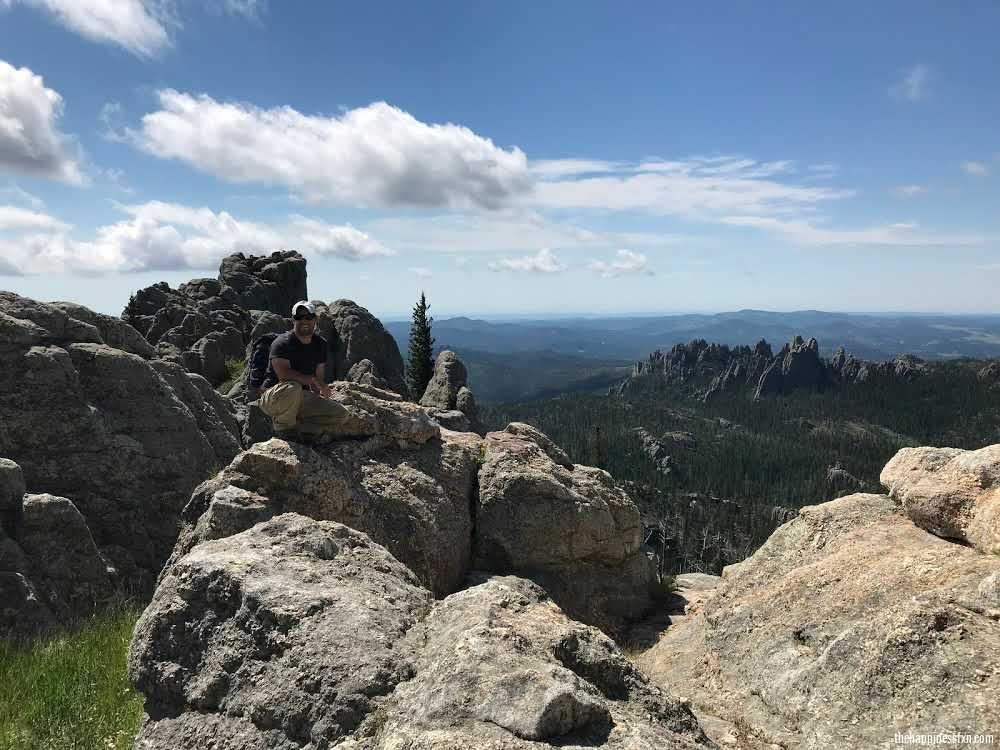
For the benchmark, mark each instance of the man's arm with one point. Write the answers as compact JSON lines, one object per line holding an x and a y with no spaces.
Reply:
{"x":322,"y":388}
{"x":283,"y":369}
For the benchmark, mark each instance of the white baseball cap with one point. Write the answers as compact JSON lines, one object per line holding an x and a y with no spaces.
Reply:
{"x":303,"y":303}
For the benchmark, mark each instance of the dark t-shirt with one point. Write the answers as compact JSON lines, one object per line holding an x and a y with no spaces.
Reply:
{"x":304,"y":358}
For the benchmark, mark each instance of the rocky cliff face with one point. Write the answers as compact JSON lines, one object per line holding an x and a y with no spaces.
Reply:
{"x":860,"y":618}
{"x":118,"y":440}
{"x":711,"y":369}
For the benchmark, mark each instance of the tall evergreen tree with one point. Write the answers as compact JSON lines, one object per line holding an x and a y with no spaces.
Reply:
{"x":421,"y":364}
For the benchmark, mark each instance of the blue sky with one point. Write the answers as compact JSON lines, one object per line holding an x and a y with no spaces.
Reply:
{"x":526,"y":158}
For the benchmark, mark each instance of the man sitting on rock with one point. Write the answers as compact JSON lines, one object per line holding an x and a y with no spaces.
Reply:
{"x":295,"y":394}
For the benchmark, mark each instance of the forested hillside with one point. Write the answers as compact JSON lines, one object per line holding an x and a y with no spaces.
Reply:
{"x":718,"y":477}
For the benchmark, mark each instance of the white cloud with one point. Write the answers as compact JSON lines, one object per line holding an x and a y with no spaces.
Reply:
{"x":376,"y":155}
{"x":976,"y":168}
{"x":558,"y":168}
{"x":900,"y":234}
{"x":908,"y":191}
{"x":30,"y":142}
{"x":543,"y":262}
{"x":136,"y":26}
{"x":914,"y":85}
{"x":500,"y":232}
{"x":699,"y":188}
{"x":141,"y":27}
{"x":15,"y":218}
{"x":422,"y":273}
{"x":627,"y":262}
{"x":249,"y":9}
{"x":159,"y":236}
{"x":329,"y":240}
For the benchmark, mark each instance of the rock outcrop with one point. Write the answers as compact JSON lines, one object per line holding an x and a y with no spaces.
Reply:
{"x":416,"y":501}
{"x":448,"y":389}
{"x":570,"y":530}
{"x":848,"y":626}
{"x":498,"y":665}
{"x":303,"y":633}
{"x":205,"y":322}
{"x":357,"y":336}
{"x":101,"y":427}
{"x":950,"y":492}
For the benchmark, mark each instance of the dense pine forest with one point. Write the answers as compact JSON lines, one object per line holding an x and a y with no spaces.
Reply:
{"x":715,"y":478}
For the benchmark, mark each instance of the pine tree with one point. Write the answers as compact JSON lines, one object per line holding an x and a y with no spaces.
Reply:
{"x":421,"y":364}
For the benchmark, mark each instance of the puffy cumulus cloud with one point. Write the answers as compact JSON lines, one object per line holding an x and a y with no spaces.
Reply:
{"x":975,"y":168}
{"x":136,"y":26}
{"x":340,"y":241}
{"x":376,"y":155}
{"x":30,"y":142}
{"x":626,"y":262}
{"x":700,"y":188}
{"x":544,"y":261}
{"x":915,"y":84}
{"x":900,"y":234}
{"x":159,"y":236}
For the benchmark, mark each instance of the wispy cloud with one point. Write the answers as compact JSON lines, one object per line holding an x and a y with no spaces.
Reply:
{"x":908,"y":191}
{"x":626,"y":262}
{"x":376,"y":155}
{"x":30,"y":140}
{"x":901,"y":234}
{"x":420,"y":272}
{"x":975,"y":168}
{"x":700,"y":188}
{"x":543,"y":262}
{"x":914,"y":85}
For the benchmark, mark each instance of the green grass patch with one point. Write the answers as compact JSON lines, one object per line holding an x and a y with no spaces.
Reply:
{"x":69,"y":690}
{"x":234,"y":371}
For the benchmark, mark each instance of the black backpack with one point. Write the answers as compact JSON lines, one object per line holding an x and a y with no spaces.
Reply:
{"x":260,"y":356}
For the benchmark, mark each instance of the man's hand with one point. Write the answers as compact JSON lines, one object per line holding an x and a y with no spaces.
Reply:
{"x":320,"y":388}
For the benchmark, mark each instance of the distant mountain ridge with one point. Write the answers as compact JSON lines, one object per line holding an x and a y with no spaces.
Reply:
{"x":868,"y":336}
{"x":713,"y":368}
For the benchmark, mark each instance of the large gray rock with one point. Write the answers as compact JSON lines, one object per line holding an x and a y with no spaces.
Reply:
{"x":281,"y":637}
{"x":115,"y":332}
{"x":500,"y":666}
{"x":12,"y":491}
{"x":355,"y":335}
{"x":448,"y":388}
{"x":66,"y":567}
{"x":449,"y":375}
{"x":849,"y":625}
{"x":572,"y":531}
{"x":415,"y":500}
{"x":101,"y":427}
{"x":949,"y":492}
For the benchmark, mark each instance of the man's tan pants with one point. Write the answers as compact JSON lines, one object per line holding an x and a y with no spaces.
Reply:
{"x":290,"y":405}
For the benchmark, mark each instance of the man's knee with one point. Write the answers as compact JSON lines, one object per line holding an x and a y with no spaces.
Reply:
{"x":281,"y":398}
